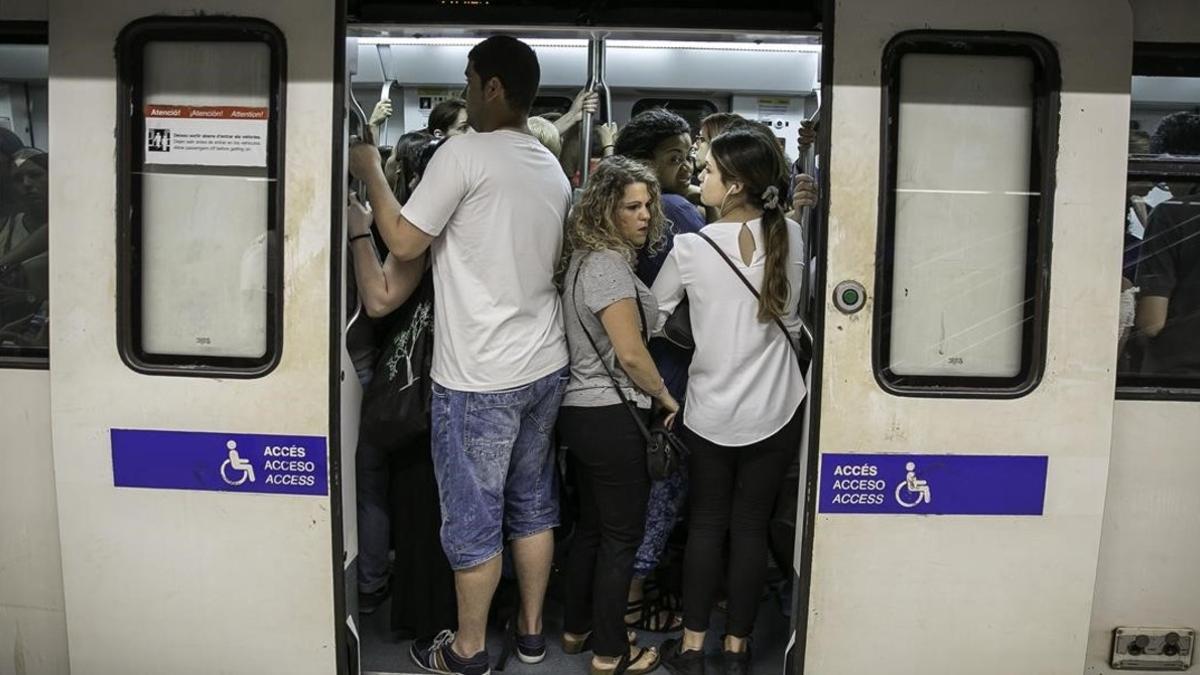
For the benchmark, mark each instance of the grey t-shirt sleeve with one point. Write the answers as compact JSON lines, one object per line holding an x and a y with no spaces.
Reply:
{"x":605,"y":278}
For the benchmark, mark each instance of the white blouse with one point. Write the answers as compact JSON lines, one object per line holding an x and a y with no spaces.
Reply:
{"x":744,"y":383}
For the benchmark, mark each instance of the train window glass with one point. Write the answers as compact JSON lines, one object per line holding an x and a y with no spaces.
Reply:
{"x":1159,"y":338}
{"x":543,"y":105}
{"x":1164,"y":94}
{"x":690,"y":109}
{"x":24,"y":206}
{"x":201,"y":268}
{"x":959,"y":301}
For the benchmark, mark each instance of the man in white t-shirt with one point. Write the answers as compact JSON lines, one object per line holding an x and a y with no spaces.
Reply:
{"x":490,"y":207}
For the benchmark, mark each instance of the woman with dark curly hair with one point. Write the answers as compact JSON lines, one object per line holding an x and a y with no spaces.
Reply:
{"x":607,"y":313}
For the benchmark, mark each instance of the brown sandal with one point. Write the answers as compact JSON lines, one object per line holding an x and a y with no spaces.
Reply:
{"x":626,"y":666}
{"x":579,"y":645}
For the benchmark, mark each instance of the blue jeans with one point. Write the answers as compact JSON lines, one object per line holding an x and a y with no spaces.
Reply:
{"x":495,"y":466}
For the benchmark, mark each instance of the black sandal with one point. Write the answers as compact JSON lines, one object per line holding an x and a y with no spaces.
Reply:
{"x":657,"y":615}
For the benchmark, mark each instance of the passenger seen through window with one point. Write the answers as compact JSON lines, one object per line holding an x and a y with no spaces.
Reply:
{"x":1167,"y":320}
{"x":24,"y":240}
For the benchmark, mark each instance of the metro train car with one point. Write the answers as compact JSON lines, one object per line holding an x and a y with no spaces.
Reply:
{"x":998,"y":468}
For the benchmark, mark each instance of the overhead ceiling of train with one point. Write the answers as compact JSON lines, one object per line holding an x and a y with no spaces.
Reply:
{"x":753,"y":15}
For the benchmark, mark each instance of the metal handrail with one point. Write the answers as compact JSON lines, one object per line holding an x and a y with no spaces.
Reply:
{"x":389,"y":79}
{"x":597,"y":68}
{"x":359,"y":188}
{"x":808,"y":161}
{"x":385,"y":94}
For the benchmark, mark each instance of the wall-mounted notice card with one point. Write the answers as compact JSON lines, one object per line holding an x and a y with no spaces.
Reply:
{"x":206,"y":135}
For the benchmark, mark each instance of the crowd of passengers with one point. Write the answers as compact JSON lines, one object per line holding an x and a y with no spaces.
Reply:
{"x":548,"y":309}
{"x":24,"y":239}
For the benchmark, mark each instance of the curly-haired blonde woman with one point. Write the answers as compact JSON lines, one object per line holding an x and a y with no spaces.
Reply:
{"x":606,"y":309}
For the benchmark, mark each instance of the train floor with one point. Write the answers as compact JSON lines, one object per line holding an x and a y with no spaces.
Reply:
{"x":383,"y":654}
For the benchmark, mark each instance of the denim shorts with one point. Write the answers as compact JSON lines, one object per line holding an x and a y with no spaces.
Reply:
{"x":495,"y":468}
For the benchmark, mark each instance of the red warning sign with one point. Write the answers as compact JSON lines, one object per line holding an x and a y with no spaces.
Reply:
{"x":209,"y":112}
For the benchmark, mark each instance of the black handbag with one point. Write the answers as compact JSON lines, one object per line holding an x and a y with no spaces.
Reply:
{"x":802,"y":344}
{"x":396,"y":403}
{"x":664,"y":450}
{"x":678,"y":327}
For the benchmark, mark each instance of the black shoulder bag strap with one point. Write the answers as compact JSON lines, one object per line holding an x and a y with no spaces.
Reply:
{"x":803,"y":345}
{"x":641,"y":424}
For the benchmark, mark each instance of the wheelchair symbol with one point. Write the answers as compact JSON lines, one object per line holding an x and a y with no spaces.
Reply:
{"x":913,"y":485}
{"x":236,"y":463}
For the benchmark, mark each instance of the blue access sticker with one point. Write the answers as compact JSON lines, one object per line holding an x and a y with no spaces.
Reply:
{"x":970,"y":485}
{"x":194,"y":460}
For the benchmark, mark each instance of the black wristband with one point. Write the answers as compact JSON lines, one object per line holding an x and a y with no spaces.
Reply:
{"x":359,"y":236}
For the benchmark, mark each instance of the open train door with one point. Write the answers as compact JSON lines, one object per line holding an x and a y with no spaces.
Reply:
{"x":976,"y":156}
{"x":195,"y":333}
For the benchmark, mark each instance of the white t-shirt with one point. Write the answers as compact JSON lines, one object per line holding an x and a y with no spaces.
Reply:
{"x":496,"y":203}
{"x":744,"y":383}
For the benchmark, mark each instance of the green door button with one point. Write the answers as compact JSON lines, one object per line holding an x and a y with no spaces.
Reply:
{"x":849,"y":297}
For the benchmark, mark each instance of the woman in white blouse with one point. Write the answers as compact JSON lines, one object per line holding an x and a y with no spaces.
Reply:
{"x":742,"y":420}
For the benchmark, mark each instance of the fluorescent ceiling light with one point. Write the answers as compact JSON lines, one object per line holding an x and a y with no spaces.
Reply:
{"x":465,"y":42}
{"x":718,"y":46}
{"x":615,"y":44}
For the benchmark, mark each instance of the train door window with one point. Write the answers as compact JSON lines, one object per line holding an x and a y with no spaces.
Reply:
{"x":24,"y":201}
{"x":200,"y":255}
{"x":543,"y":105}
{"x":963,"y":252}
{"x":691,"y":109}
{"x":1159,"y":339}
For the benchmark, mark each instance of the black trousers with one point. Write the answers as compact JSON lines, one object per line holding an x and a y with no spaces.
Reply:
{"x":423,"y":599}
{"x":608,"y":456}
{"x":733,"y":492}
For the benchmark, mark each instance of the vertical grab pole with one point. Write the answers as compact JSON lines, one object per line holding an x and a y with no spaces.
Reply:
{"x":385,"y":95}
{"x":364,"y":132}
{"x":358,"y":122}
{"x":602,"y":76}
{"x":808,"y":162}
{"x":595,"y":81}
{"x":389,"y":78}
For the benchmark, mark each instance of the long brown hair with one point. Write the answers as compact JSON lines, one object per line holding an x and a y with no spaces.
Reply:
{"x":750,"y":155}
